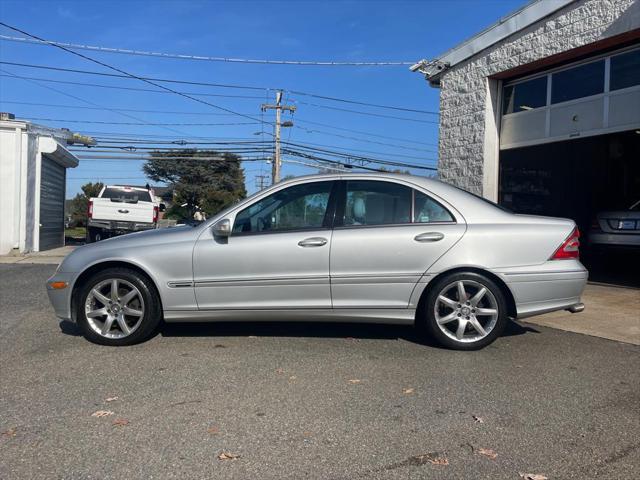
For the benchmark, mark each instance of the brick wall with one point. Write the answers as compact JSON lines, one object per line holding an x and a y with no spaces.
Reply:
{"x":463,"y":96}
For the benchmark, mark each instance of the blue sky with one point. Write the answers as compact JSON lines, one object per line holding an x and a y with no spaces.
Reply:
{"x":294,"y":30}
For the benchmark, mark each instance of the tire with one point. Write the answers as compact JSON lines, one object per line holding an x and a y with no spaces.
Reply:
{"x":95,"y":235}
{"x":452,"y":323}
{"x":136,"y":303}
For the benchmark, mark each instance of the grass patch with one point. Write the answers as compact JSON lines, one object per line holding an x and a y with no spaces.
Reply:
{"x":75,"y":232}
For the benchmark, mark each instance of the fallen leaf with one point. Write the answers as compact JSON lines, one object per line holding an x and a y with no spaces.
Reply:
{"x":228,"y":456}
{"x":478,"y":419}
{"x":102,"y":413}
{"x":408,"y":391}
{"x":354,"y":381}
{"x":111,"y":399}
{"x":434,"y":458}
{"x":213,"y":430}
{"x":219,"y":345}
{"x":120,"y":422}
{"x":292,"y":377}
{"x":10,"y":433}
{"x":533,"y":476}
{"x":279,"y":371}
{"x":487,"y":452}
{"x":253,"y":336}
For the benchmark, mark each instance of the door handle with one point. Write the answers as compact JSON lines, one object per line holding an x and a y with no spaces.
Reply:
{"x":429,"y":237}
{"x":122,"y":210}
{"x":313,"y":242}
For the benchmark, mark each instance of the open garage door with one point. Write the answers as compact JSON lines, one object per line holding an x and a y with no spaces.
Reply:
{"x":52,"y":192}
{"x":581,"y":179}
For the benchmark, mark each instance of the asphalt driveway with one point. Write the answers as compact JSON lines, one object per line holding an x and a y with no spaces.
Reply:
{"x":307,"y":401}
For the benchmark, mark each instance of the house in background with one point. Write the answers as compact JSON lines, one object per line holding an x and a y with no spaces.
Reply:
{"x":33,"y":164}
{"x":541,"y":111}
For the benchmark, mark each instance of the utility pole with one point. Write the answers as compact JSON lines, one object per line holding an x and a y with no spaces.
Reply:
{"x":278,"y":107}
{"x":261,"y":181}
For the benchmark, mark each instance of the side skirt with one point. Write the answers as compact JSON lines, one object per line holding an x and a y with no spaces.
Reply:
{"x":395,"y":316}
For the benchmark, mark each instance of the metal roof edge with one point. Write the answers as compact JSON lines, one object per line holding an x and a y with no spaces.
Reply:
{"x":520,"y":19}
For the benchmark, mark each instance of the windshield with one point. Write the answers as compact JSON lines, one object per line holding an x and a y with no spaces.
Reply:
{"x":126,"y":195}
{"x":635,"y":207}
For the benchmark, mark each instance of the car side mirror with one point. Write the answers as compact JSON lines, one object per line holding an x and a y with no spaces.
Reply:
{"x":162,"y":207}
{"x":222,"y":228}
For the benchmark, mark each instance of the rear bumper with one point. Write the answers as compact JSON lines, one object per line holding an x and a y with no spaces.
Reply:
{"x":117,"y":226}
{"x":615,"y":239}
{"x":556,"y":285}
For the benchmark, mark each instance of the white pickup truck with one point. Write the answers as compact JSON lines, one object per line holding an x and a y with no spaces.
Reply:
{"x":120,"y":209}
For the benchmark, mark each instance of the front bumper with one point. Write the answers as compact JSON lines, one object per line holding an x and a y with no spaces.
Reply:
{"x":61,"y":298}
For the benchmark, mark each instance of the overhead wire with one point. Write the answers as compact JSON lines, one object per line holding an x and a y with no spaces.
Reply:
{"x":221,"y":85}
{"x":125,"y":51}
{"x":119,"y":70}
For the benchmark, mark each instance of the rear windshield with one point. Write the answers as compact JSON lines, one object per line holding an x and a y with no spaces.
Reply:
{"x":126,"y":196}
{"x":485,"y":200}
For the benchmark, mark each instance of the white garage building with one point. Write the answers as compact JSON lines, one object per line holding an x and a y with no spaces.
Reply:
{"x":33,"y":165}
{"x":541,"y":111}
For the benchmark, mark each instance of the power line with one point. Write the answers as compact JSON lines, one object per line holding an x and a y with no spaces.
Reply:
{"x":218,"y":114}
{"x":112,"y":108}
{"x":106,"y":65}
{"x":144,"y":53}
{"x":114,"y":87}
{"x":371,"y":114}
{"x":220,"y":85}
{"x":100,"y":122}
{"x":365,"y":140}
{"x":75,"y":97}
{"x":347,"y":151}
{"x":366,"y":133}
{"x":125,"y":76}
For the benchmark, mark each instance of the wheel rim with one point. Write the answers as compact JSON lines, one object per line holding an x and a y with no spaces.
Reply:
{"x":114,"y":308}
{"x":466,"y":311}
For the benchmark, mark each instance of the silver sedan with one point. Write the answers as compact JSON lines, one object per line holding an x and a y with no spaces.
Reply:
{"x":381,"y":248}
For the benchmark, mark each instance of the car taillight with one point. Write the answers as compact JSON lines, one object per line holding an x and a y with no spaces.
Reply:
{"x":90,"y":209}
{"x":155,"y":214}
{"x":570,"y":248}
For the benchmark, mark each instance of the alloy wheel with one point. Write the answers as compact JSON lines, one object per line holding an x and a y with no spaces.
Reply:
{"x":114,"y":308}
{"x":466,"y":311}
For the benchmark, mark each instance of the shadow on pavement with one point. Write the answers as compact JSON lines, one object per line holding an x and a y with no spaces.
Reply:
{"x":313,"y":330}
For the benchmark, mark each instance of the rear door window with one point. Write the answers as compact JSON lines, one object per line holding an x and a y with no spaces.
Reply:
{"x":376,"y":203}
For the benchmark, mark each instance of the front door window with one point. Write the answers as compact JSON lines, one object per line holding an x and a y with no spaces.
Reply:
{"x":301,"y":207}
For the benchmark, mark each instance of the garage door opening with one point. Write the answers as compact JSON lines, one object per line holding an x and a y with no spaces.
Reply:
{"x":580,"y":179}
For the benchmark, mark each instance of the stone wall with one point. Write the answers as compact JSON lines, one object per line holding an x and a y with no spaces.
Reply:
{"x":464,"y":98}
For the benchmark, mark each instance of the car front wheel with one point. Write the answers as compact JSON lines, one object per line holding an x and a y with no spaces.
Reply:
{"x":118,"y":306}
{"x":465,"y":311}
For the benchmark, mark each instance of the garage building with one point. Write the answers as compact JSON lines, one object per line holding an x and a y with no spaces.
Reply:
{"x":33,"y":165}
{"x":541,"y":111}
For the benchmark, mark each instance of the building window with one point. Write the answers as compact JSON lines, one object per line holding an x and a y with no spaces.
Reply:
{"x":578,"y":82}
{"x":525,"y":96}
{"x":625,"y":70}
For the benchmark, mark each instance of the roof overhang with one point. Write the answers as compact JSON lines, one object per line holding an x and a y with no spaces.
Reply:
{"x":52,"y":149}
{"x":529,"y":14}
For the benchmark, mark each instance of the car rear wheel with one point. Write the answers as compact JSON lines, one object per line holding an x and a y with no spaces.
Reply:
{"x":118,"y":306}
{"x":465,"y":311}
